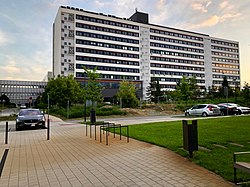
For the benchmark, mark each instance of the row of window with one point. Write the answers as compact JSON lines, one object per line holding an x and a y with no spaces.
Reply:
{"x":106,"y":60}
{"x":225,"y":54}
{"x":109,"y":53}
{"x":176,"y":73}
{"x":105,"y":29}
{"x":168,"y":86}
{"x":176,"y":34}
{"x":105,"y":76}
{"x":22,"y":86}
{"x":176,"y":54}
{"x":176,"y":60}
{"x":106,"y":22}
{"x":107,"y":45}
{"x":225,"y":60}
{"x":228,"y":77}
{"x":225,"y":71}
{"x":225,"y":66}
{"x":224,"y":43}
{"x":172,"y":80}
{"x":176,"y":47}
{"x":176,"y":67}
{"x":107,"y":68}
{"x":175,"y":41}
{"x":221,"y":82}
{"x":106,"y":37}
{"x":225,"y":49}
{"x":127,"y":77}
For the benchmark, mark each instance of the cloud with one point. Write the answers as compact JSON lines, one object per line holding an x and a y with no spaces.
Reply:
{"x":57,"y":3}
{"x":201,"y":6}
{"x":99,"y":4}
{"x":23,"y":67}
{"x":162,"y":12}
{"x":214,"y":20}
{"x":225,"y":4}
{"x":5,"y":39}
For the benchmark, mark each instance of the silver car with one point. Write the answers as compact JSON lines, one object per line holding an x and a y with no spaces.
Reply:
{"x":30,"y":117}
{"x":241,"y":109}
{"x":203,"y":110}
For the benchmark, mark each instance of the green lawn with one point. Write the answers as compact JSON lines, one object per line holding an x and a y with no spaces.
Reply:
{"x":220,"y":131}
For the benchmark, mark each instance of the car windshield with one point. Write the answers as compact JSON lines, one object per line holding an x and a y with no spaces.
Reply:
{"x":29,"y":112}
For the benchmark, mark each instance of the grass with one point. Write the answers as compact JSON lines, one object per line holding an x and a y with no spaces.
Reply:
{"x":211,"y":131}
{"x":8,"y":118}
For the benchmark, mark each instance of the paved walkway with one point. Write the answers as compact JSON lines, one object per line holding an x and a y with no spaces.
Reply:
{"x":70,"y":158}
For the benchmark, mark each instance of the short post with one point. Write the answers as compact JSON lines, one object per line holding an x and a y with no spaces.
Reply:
{"x":120,"y":132}
{"x":190,"y":136}
{"x":48,"y":122}
{"x":127,"y":134}
{"x":107,"y":128}
{"x":48,"y":129}
{"x":6,"y":132}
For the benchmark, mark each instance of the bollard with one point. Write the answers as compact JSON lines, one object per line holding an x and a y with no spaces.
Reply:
{"x":190,"y":136}
{"x":6,"y":132}
{"x":48,"y":128}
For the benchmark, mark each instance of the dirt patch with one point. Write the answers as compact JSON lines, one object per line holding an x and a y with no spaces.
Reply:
{"x":152,"y":110}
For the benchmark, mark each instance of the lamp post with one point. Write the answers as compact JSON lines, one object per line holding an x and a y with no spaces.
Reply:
{"x":68,"y":109}
{"x":48,"y":122}
{"x":235,"y":84}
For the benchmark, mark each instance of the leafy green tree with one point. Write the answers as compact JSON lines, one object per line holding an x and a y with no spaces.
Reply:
{"x":127,"y":93}
{"x":246,"y":93}
{"x":223,"y":85}
{"x":154,"y":92}
{"x":63,"y":89}
{"x":93,"y":88}
{"x":187,"y":89}
{"x":92,"y":91}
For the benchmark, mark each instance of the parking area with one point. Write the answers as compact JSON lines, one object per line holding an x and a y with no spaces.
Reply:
{"x":70,"y":158}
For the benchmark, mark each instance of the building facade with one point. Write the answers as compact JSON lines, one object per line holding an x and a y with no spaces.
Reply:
{"x":136,"y":50}
{"x":22,"y":92}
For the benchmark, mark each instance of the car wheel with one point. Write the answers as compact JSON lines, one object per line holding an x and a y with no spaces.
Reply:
{"x":204,"y":114}
{"x":223,"y":113}
{"x":187,"y":114}
{"x":239,"y":113}
{"x":17,"y":127}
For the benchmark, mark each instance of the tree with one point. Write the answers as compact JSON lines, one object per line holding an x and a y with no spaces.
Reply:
{"x":187,"y":89}
{"x":154,"y":92}
{"x":224,"y":85}
{"x":93,"y":87}
{"x":62,"y":89}
{"x":93,"y":90}
{"x":246,"y":93}
{"x":127,"y":93}
{"x":4,"y":99}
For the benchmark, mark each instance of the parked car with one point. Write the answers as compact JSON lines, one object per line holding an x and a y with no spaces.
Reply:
{"x":30,"y":117}
{"x":241,"y":109}
{"x":22,"y":106}
{"x":227,"y":109}
{"x":203,"y":110}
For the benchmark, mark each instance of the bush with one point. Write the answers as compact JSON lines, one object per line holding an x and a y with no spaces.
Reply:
{"x":77,"y":111}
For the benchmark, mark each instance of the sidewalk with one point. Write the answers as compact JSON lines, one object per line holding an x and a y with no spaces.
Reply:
{"x":70,"y":158}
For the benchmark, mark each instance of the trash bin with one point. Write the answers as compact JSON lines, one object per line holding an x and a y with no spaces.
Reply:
{"x":92,"y":116}
{"x":190,"y":136}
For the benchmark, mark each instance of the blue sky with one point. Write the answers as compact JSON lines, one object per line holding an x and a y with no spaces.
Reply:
{"x":26,"y":27}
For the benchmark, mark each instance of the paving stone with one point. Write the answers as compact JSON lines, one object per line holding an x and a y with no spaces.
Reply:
{"x":70,"y":158}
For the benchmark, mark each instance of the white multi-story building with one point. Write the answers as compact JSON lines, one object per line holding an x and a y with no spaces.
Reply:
{"x":133,"y":49}
{"x":22,"y":92}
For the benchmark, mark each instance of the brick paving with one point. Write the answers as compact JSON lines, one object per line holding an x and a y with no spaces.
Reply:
{"x":70,"y":158}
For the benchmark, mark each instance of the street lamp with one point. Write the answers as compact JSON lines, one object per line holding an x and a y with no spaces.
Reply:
{"x":235,"y":84}
{"x":68,"y":109}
